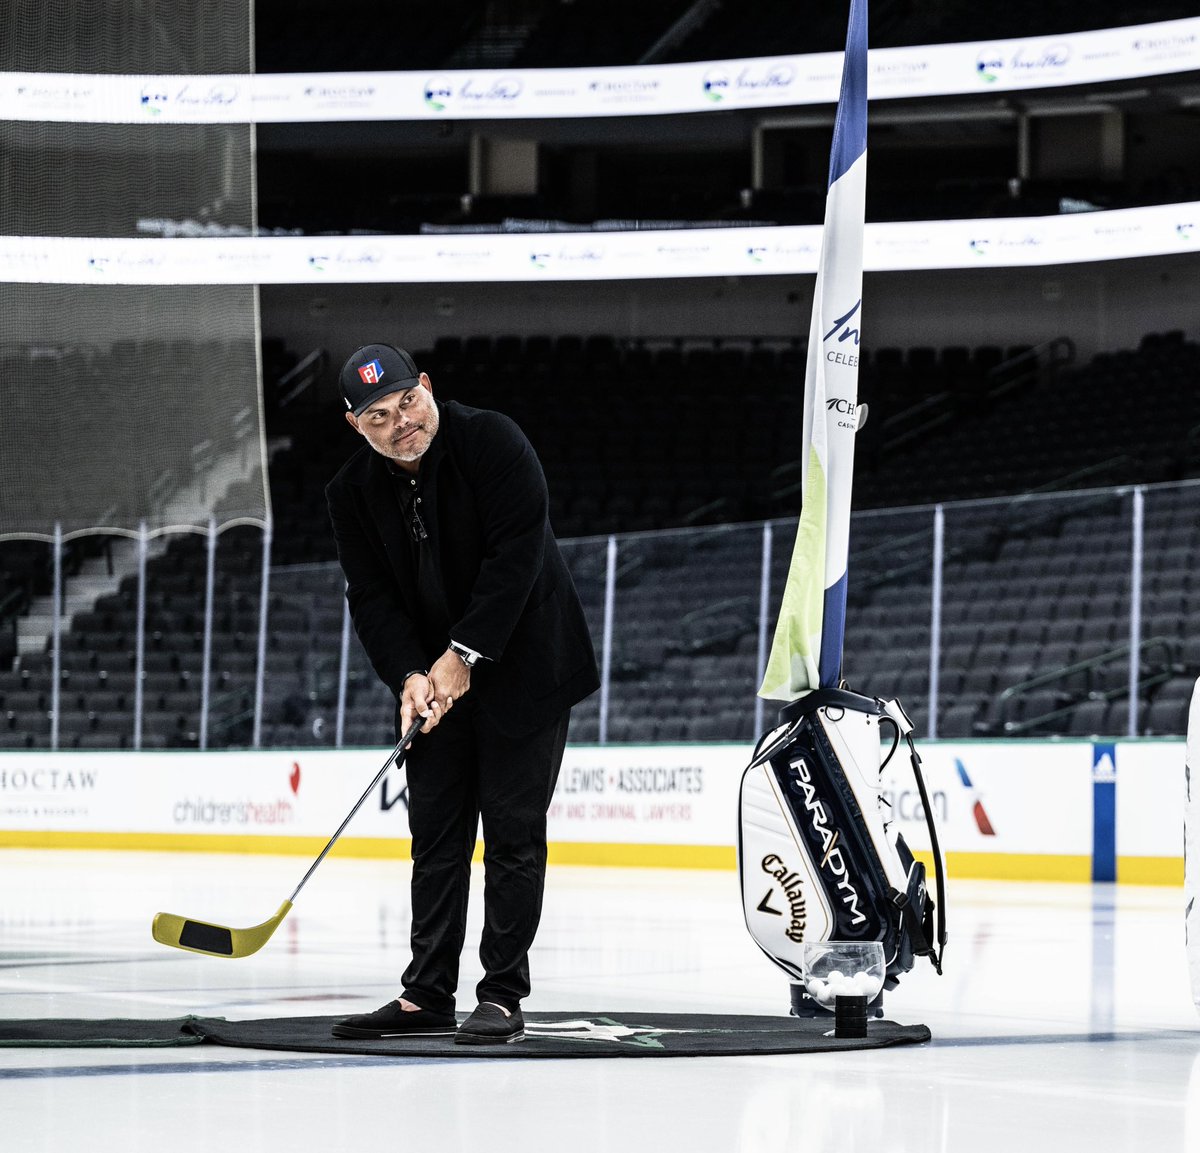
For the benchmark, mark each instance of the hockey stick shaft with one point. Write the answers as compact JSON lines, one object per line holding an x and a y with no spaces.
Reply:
{"x":397,"y":757}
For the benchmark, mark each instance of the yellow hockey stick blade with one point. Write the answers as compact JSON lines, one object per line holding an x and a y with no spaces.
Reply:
{"x":215,"y":940}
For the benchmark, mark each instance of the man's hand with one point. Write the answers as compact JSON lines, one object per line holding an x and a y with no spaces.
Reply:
{"x":419,"y":700}
{"x":449,"y":679}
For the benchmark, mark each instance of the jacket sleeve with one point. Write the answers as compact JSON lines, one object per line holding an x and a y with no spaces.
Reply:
{"x":513,"y":502}
{"x":380,"y":619}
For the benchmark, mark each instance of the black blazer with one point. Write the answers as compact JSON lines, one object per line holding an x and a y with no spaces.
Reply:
{"x":510,"y":596}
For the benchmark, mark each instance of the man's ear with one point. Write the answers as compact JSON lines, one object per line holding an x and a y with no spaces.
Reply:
{"x":425,"y":382}
{"x":352,"y":420}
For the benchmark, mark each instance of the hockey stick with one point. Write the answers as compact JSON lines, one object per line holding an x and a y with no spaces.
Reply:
{"x":220,"y":941}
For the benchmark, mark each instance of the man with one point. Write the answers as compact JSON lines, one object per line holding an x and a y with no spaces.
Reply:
{"x":463,"y":603}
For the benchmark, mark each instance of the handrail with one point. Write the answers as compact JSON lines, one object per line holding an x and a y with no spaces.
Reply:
{"x":305,"y":373}
{"x":1087,"y":668}
{"x":1043,"y":679}
{"x":1018,"y":727}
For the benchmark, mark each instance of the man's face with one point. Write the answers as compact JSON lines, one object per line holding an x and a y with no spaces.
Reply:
{"x":401,"y":425}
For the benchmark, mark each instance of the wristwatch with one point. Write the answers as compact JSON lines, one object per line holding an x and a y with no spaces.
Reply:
{"x":469,"y":657}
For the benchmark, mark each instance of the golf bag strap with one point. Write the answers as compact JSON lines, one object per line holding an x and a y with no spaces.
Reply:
{"x":938,"y":871}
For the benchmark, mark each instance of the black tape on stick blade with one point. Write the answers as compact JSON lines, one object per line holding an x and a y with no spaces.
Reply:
{"x":206,"y":938}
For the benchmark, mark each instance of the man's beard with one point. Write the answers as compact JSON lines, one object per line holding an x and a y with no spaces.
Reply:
{"x":416,"y":446}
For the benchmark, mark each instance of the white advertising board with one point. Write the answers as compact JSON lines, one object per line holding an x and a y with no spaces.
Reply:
{"x":977,"y":67}
{"x":1151,"y":791}
{"x":679,"y":795}
{"x":1026,"y":807}
{"x":1159,"y":230}
{"x":1020,"y":797}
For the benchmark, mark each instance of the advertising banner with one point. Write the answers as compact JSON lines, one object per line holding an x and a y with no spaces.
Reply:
{"x":1050,"y":810}
{"x":983,"y":67}
{"x":1159,"y":230}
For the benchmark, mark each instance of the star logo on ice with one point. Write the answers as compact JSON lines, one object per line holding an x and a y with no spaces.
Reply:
{"x":602,"y":1029}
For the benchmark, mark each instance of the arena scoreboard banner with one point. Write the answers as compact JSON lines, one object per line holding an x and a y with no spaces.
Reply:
{"x":1067,"y":811}
{"x":980,"y":67}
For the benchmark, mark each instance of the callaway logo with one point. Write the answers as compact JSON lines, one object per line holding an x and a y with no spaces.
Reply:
{"x":832,"y":859}
{"x":792,"y":887}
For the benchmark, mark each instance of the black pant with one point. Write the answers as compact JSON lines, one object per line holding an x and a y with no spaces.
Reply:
{"x":460,"y":771}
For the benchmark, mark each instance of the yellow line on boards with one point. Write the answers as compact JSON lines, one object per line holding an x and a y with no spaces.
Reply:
{"x":1150,"y":870}
{"x":386,"y":847}
{"x":1013,"y":866}
{"x":967,"y":866}
{"x":560,"y":852}
{"x":644,"y":856}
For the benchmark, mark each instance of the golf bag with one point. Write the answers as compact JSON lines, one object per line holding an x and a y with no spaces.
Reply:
{"x":819,"y":858}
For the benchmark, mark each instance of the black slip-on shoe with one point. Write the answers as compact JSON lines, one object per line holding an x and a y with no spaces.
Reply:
{"x":488,"y":1025}
{"x":393,"y":1021}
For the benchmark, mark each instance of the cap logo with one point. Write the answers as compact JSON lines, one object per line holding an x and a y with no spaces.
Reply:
{"x":371,"y":373}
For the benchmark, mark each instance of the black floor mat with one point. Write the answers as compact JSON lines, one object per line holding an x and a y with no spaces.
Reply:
{"x":66,"y":1033}
{"x":546,"y":1035}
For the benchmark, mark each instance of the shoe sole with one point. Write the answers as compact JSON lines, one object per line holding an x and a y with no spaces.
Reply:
{"x":461,"y":1038}
{"x":383,"y":1034}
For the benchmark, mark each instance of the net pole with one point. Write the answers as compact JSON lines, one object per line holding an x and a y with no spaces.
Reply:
{"x":764,"y":606}
{"x":56,"y":628}
{"x":260,"y":674}
{"x":610,"y":596}
{"x":343,"y":675}
{"x":935,"y":616}
{"x":1135,"y":604}
{"x":139,"y":675}
{"x":210,"y":576}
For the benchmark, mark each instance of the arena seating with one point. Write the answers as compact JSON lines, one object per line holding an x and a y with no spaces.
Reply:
{"x":1032,"y":639}
{"x":318,"y":35}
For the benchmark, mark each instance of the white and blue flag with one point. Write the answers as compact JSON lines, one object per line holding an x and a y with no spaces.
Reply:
{"x":807,"y":649}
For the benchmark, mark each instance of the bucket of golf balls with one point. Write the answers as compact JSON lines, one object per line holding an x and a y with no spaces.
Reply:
{"x":835,"y":969}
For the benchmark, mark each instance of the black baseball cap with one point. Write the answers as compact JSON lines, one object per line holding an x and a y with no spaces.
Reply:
{"x":374,"y":371}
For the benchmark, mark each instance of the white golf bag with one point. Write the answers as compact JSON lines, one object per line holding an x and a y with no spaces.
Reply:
{"x":819,"y":858}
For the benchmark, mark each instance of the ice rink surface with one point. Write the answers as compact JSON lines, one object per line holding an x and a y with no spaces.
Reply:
{"x":1064,"y":1020}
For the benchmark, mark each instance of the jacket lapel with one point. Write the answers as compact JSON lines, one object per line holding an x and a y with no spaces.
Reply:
{"x":384,"y":509}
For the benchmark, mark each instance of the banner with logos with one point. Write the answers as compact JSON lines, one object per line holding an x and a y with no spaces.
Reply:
{"x":1028,"y":810}
{"x":986,"y":67}
{"x":1159,"y":230}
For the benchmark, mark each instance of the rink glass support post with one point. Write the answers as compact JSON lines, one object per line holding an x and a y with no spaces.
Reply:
{"x":764,"y":607}
{"x":210,"y":576}
{"x":610,"y":596}
{"x":1135,"y":604}
{"x":260,"y":674}
{"x":935,"y":617}
{"x":56,"y":627}
{"x":139,"y":675}
{"x":343,"y":675}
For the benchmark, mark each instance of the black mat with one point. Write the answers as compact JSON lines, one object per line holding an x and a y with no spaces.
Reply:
{"x":547,"y":1035}
{"x":65,"y":1033}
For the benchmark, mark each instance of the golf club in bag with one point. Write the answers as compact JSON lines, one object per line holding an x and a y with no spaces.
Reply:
{"x":819,"y":857}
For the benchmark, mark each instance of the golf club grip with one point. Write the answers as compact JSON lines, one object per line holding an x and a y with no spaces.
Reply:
{"x":396,"y":755}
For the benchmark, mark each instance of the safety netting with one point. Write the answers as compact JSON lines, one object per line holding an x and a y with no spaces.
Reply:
{"x":127,"y":405}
